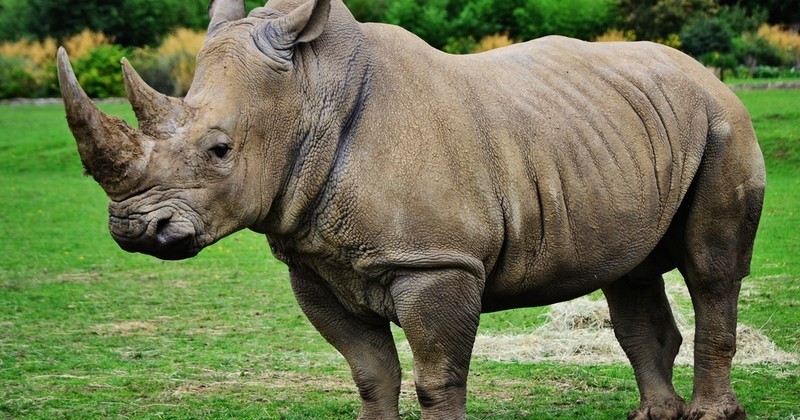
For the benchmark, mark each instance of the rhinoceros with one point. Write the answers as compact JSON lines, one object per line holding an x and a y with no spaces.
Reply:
{"x":404,"y":185}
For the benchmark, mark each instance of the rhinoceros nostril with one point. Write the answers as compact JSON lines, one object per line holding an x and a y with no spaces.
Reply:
{"x":161,"y":227}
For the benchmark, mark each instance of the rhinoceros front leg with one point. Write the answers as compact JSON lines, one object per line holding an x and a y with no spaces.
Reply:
{"x":439,"y":312}
{"x":646,"y":330}
{"x":368,"y":347}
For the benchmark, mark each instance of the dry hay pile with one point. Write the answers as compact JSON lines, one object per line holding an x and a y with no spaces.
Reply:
{"x":579,"y":331}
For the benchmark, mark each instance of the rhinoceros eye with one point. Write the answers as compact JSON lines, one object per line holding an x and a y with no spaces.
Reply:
{"x":220,"y":150}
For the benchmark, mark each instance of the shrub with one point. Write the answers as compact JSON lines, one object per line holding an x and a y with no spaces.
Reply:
{"x":15,"y":19}
{"x":767,"y":72}
{"x":86,"y":41}
{"x":482,"y":18}
{"x":721,"y":62}
{"x":129,"y":22}
{"x":463,"y":45}
{"x":788,"y":43}
{"x":155,"y":70}
{"x":753,"y":50}
{"x":368,"y":10}
{"x":491,"y":42}
{"x":743,"y":20}
{"x":654,"y":19}
{"x":616,"y":35}
{"x":99,"y":72}
{"x":584,"y":19}
{"x":35,"y":67}
{"x":37,"y":60}
{"x":183,"y":45}
{"x":703,"y":36}
{"x":430,"y":20}
{"x":39,"y":53}
{"x":16,"y":81}
{"x":170,"y":68}
{"x":672,"y":40}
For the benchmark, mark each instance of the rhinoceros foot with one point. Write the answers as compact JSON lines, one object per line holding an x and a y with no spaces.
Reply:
{"x":672,"y":409}
{"x":729,"y":408}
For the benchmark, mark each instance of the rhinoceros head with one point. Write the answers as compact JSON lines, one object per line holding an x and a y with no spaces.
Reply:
{"x":199,"y":168}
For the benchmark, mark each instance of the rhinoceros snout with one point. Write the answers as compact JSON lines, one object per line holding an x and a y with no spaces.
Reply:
{"x":160,"y":235}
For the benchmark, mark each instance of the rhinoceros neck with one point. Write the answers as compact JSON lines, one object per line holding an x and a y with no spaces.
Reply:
{"x":334,"y":79}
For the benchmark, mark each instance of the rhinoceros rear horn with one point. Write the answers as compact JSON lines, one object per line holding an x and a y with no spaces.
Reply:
{"x":158,"y":114}
{"x":107,"y":145}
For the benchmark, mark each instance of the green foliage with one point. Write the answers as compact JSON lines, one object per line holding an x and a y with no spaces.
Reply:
{"x":777,"y":11}
{"x":455,"y":26}
{"x":163,"y":71}
{"x":705,"y":29}
{"x":723,"y":62}
{"x":250,"y":5}
{"x":128,"y":22}
{"x":704,"y":36}
{"x":146,"y":22}
{"x":99,"y":71}
{"x":767,"y":72}
{"x":14,"y":19}
{"x":481,"y":18}
{"x":368,"y":10}
{"x":584,"y":19}
{"x":157,"y":71}
{"x":429,"y":19}
{"x":753,"y":50}
{"x":657,"y":19}
{"x":16,"y":81}
{"x":742,"y":20}
{"x":464,"y":45}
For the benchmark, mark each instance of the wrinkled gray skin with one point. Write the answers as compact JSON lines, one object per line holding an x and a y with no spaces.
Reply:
{"x":401,"y":184}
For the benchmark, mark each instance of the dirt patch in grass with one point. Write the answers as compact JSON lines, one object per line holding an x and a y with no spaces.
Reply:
{"x":263,"y":387}
{"x":180,"y":284}
{"x":79,"y":277}
{"x":126,"y":328}
{"x":272,"y":380}
{"x":280,"y":385}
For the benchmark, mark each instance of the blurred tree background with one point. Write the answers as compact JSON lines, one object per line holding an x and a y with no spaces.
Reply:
{"x":749,"y":37}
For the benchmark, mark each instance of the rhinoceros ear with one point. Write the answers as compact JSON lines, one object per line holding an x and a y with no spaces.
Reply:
{"x":220,"y":11}
{"x":305,"y":23}
{"x":278,"y":37}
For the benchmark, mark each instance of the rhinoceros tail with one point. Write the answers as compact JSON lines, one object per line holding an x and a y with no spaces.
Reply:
{"x":724,"y":204}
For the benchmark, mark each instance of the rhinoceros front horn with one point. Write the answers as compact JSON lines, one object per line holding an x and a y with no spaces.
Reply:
{"x":109,"y":147}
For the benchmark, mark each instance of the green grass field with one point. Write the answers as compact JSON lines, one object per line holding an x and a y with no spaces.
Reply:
{"x":88,"y":331}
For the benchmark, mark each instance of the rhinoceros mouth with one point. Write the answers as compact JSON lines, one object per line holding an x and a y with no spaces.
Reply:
{"x":170,"y":250}
{"x":163,"y":233}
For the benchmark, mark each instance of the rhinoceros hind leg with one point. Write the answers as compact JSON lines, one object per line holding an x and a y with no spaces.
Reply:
{"x":646,"y":330}
{"x":713,"y":252}
{"x":715,"y":304}
{"x":368,"y":348}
